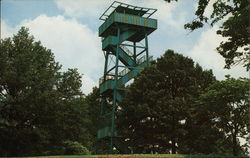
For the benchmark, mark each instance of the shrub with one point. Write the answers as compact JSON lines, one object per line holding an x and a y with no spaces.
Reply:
{"x":75,"y":148}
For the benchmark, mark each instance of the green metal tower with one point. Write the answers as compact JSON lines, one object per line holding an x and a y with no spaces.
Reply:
{"x":123,"y":31}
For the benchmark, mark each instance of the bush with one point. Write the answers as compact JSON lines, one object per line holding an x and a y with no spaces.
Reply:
{"x":75,"y":148}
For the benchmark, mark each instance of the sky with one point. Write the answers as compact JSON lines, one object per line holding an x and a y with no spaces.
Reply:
{"x":70,"y":29}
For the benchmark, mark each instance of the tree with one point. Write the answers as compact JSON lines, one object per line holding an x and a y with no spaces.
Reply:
{"x":40,"y":107}
{"x":28,"y":73}
{"x":227,"y":102}
{"x":93,"y":104}
{"x":157,"y":106}
{"x":234,"y":15}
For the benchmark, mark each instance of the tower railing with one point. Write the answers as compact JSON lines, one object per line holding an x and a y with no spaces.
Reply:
{"x":127,"y":50}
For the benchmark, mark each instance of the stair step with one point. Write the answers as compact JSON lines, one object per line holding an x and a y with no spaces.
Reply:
{"x":125,"y":58}
{"x":109,"y":84}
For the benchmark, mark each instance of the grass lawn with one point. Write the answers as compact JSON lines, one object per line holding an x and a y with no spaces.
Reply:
{"x":137,"y":156}
{"x":117,"y":156}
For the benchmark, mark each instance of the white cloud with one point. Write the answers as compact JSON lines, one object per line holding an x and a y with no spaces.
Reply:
{"x":165,"y":13}
{"x":80,"y":8}
{"x":94,"y":9}
{"x":209,"y":9}
{"x":204,"y":52}
{"x":88,"y":84}
{"x":6,"y":31}
{"x":74,"y":44}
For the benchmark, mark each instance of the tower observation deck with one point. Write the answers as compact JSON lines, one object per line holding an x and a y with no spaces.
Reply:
{"x":124,"y":35}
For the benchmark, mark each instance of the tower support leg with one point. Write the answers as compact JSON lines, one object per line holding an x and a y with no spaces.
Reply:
{"x":115,"y":94}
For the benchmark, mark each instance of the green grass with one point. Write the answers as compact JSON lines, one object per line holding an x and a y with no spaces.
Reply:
{"x":138,"y":156}
{"x":117,"y":156}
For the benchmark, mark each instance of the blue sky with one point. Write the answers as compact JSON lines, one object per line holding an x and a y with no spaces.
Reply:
{"x":69,"y":28}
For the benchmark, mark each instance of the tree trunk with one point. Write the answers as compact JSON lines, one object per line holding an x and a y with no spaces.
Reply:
{"x":234,"y":134}
{"x":234,"y":145}
{"x":173,"y":141}
{"x":173,"y":146}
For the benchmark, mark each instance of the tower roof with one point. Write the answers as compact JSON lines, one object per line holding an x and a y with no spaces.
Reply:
{"x":128,"y":9}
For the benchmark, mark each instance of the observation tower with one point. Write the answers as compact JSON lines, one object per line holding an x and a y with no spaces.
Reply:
{"x":124,"y":34}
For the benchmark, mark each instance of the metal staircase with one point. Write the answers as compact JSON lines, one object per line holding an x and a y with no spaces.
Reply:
{"x":125,"y":76}
{"x":124,"y":26}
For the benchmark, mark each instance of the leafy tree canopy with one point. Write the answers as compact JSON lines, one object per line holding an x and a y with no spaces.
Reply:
{"x":227,"y":104}
{"x":40,"y":106}
{"x":159,"y":103}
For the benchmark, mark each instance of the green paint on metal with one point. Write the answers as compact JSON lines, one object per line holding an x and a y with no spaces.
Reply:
{"x":139,"y":22}
{"x":124,"y":79}
{"x":125,"y":23}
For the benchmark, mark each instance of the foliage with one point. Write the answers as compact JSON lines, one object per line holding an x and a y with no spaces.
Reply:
{"x":227,"y":104}
{"x":40,"y":107}
{"x":158,"y":105}
{"x":93,"y":102}
{"x":176,"y":102}
{"x":75,"y":148}
{"x":236,"y":29}
{"x":43,"y":111}
{"x":234,"y":15}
